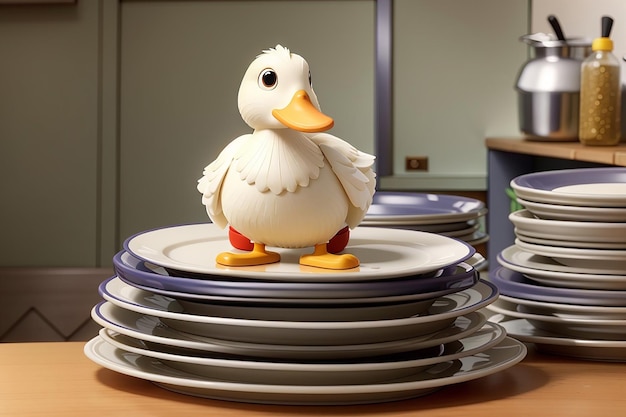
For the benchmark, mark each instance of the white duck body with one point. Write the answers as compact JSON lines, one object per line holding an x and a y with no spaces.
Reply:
{"x":286,"y":185}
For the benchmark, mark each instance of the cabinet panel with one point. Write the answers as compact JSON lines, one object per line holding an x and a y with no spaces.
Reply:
{"x":181,"y":65}
{"x":49,"y":304}
{"x":455,"y":64}
{"x":48,"y":134}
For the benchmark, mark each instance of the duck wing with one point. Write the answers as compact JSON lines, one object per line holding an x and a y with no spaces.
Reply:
{"x":354,"y":170}
{"x":213,"y":176}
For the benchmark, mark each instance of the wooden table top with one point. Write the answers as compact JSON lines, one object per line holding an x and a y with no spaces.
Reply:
{"x":575,"y":151}
{"x":57,"y":379}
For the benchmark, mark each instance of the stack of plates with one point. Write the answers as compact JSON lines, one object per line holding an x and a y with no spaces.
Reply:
{"x":404,"y":323}
{"x":449,"y":215}
{"x":564,"y":279}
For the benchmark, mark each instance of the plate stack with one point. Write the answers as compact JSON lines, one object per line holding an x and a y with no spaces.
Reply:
{"x":404,"y":323}
{"x":563,"y":282}
{"x":462,"y":218}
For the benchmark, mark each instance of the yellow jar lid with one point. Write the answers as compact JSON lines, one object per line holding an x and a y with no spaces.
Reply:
{"x":602,"y":44}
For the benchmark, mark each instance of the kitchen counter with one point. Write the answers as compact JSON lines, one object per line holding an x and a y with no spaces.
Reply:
{"x":573,"y":151}
{"x":57,"y":379}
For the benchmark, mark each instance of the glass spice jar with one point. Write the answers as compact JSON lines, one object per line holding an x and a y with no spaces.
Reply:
{"x":600,"y":93}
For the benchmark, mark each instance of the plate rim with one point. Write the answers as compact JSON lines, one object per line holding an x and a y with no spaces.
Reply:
{"x":317,"y":326}
{"x":465,"y":251}
{"x":522,"y":185}
{"x":557,"y":269}
{"x":445,"y":279}
{"x":544,"y":337}
{"x":492,"y":332}
{"x":518,"y":352}
{"x":471,"y":322}
{"x":550,"y":294}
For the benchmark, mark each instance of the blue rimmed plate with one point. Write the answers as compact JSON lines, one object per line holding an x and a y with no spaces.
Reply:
{"x":153,"y":278}
{"x":591,"y":187}
{"x":421,"y":208}
{"x":515,"y":284}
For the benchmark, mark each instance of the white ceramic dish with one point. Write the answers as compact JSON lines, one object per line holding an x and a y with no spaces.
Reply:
{"x":576,"y":213}
{"x":442,"y":230}
{"x":578,"y":327}
{"x":600,"y":259}
{"x":598,"y":350}
{"x":569,"y":310}
{"x":593,"y":187}
{"x":516,"y":284}
{"x":423,"y":220}
{"x":424,"y":286}
{"x":568,"y":243}
{"x":417,"y":208}
{"x":384,"y":253}
{"x":476,"y":238}
{"x":504,"y":355}
{"x":114,"y":288}
{"x":161,"y":337}
{"x":313,"y":302}
{"x":464,"y":226}
{"x":440,"y":315}
{"x":334,"y":372}
{"x":567,"y":230}
{"x":549,"y":272}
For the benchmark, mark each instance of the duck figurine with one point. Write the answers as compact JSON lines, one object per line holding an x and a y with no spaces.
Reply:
{"x":287,"y":184}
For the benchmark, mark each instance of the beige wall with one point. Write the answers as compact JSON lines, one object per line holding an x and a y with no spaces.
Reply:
{"x":181,"y":66}
{"x":109,"y":111}
{"x":49,"y":143}
{"x":455,"y":64}
{"x":582,"y":18}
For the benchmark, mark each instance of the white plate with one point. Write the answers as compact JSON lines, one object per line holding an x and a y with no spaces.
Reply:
{"x":355,"y":301}
{"x":516,"y":284}
{"x":423,"y":220}
{"x":578,"y":327}
{"x":332,"y":372}
{"x":600,"y":350}
{"x":422,"y":207}
{"x":114,"y":288}
{"x":383,"y":253}
{"x":476,"y":238}
{"x":442,"y":231}
{"x":568,"y":243}
{"x":441,"y":314}
{"x":575,"y":213}
{"x":593,"y":187}
{"x":504,"y":355}
{"x":468,"y":225}
{"x":546,"y":270}
{"x":567,"y":230}
{"x":153,"y":332}
{"x":600,"y":259}
{"x":423,"y":286}
{"x":569,"y":310}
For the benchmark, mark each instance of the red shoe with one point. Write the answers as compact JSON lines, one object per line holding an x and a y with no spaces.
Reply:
{"x":335,"y":245}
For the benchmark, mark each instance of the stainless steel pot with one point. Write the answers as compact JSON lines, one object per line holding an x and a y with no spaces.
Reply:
{"x":548,"y":87}
{"x":549,"y":116}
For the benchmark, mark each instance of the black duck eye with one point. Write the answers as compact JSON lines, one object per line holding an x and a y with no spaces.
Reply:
{"x":310,"y":81}
{"x":268,"y":79}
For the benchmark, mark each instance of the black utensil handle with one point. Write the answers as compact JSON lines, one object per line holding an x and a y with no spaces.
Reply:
{"x":607,"y":25}
{"x":556,"y":26}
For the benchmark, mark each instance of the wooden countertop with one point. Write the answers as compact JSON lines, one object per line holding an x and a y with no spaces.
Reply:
{"x":56,"y":379}
{"x":576,"y":151}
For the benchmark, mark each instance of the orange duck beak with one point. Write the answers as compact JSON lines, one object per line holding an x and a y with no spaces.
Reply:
{"x":301,"y":115}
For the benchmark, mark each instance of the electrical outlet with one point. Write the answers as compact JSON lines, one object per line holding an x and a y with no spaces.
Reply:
{"x":416,"y":163}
